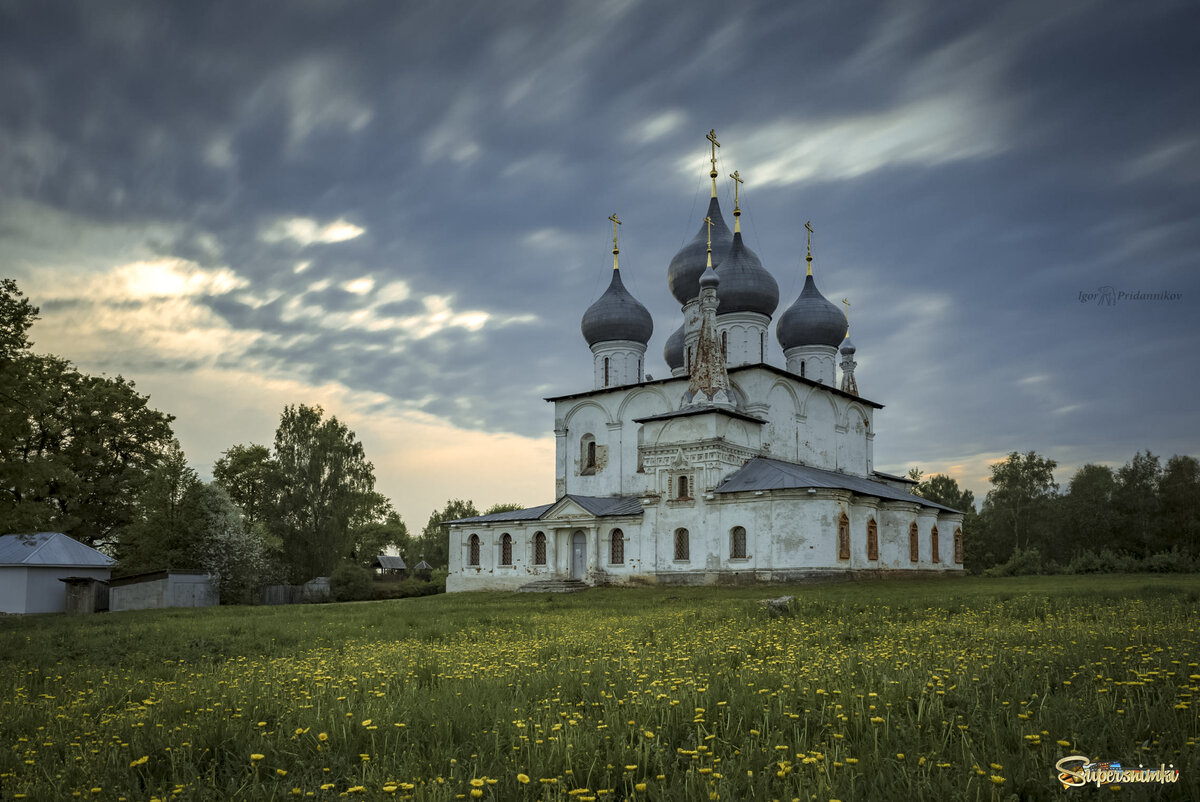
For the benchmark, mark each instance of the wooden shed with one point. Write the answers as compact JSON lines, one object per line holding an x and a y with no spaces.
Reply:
{"x":32,"y":565}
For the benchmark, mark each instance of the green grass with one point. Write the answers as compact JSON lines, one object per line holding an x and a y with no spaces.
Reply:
{"x":927,"y":689}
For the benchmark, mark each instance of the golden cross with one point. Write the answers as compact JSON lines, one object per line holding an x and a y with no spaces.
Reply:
{"x":808,"y":258}
{"x":846,"y":301}
{"x":712,"y":137}
{"x":710,"y":225}
{"x":615,"y":223}
{"x":737,"y":182}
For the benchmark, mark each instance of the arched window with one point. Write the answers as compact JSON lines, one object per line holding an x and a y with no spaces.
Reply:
{"x":689,"y":359}
{"x":843,"y":537}
{"x":641,"y":465}
{"x":958,"y":547}
{"x":587,"y":454}
{"x":872,"y":540}
{"x":914,"y":549}
{"x":605,"y":371}
{"x":762,"y":346}
{"x":539,"y":548}
{"x":682,"y":549}
{"x":725,"y":345}
{"x":737,"y":543}
{"x":473,"y":550}
{"x":506,"y":549}
{"x":802,"y":370}
{"x":639,"y":374}
{"x":682,"y":487}
{"x":933,"y":546}
{"x":616,"y":547}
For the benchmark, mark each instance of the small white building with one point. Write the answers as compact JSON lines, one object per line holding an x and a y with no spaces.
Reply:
{"x":32,"y":567}
{"x":158,"y":589}
{"x":732,"y":469}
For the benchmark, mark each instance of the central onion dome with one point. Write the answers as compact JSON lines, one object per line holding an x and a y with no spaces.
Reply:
{"x":616,"y":315}
{"x":673,"y":352}
{"x":746,"y":286}
{"x":811,"y":320}
{"x":848,"y":347}
{"x":683,"y":276}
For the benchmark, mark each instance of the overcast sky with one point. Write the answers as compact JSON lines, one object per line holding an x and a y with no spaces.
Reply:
{"x":399,"y":211}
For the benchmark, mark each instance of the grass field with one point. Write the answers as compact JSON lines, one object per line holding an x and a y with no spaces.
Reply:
{"x":931,"y":689}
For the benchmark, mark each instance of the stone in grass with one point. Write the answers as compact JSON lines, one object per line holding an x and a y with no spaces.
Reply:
{"x":779,"y":606}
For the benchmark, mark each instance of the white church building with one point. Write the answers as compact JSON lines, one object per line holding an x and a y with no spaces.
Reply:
{"x":731,"y":470}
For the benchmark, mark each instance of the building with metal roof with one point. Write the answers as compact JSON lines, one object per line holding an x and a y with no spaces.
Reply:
{"x":33,"y":565}
{"x":733,"y":469}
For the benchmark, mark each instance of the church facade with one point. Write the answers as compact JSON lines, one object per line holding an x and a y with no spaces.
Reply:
{"x":730,"y":470}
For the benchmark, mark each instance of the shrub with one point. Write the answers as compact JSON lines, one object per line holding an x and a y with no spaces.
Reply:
{"x":404,"y":589}
{"x":1021,"y":563}
{"x":350,"y":582}
{"x":1105,"y":562}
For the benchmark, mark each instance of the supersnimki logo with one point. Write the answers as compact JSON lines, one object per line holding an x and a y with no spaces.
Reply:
{"x":1077,"y":771}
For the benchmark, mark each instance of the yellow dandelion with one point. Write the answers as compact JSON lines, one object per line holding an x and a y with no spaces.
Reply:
{"x":640,"y":787}
{"x":997,"y":779}
{"x":256,"y":756}
{"x":899,"y":756}
{"x":366,"y":722}
{"x":523,"y":779}
{"x":281,"y":772}
{"x":324,"y":736}
{"x":476,"y":793}
{"x":477,"y":782}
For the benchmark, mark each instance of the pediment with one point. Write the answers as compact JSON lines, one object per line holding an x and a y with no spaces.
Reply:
{"x":567,"y":507}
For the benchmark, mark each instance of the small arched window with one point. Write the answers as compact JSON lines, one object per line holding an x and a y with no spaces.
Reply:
{"x":616,"y":547}
{"x":506,"y":549}
{"x":682,"y":546}
{"x":689,"y":359}
{"x":725,"y":345}
{"x":682,"y":487}
{"x":737,"y":543}
{"x":802,"y":370}
{"x":843,"y":537}
{"x":473,"y":550}
{"x":872,"y":540}
{"x":605,"y":371}
{"x":539,"y":548}
{"x":958,"y":547}
{"x":587,"y":454}
{"x":762,"y":347}
{"x":933,"y":546}
{"x":914,"y":548}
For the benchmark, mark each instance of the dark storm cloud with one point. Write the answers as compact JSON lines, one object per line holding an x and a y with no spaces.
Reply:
{"x":970,"y":169}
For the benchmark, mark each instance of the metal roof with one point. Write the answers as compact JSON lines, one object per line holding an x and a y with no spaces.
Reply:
{"x":764,"y":473}
{"x":50,"y":549}
{"x":811,"y":320}
{"x":689,"y":411}
{"x":616,"y":315}
{"x":389,"y":562}
{"x":600,"y":506}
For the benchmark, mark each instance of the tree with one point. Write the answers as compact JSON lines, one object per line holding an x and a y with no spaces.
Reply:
{"x":1022,"y":489}
{"x":1085,"y":518}
{"x":942,"y":489}
{"x":160,"y":537}
{"x":503,"y":507}
{"x":246,"y":473}
{"x":226,"y":545}
{"x":375,"y":537}
{"x":1136,"y":503}
{"x":74,"y":449}
{"x":1179,"y":502}
{"x":435,"y":537}
{"x":323,"y":488}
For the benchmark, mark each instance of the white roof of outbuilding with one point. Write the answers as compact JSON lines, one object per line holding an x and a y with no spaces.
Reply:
{"x":50,"y":549}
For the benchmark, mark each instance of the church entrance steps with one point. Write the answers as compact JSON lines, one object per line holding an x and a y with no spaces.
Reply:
{"x":553,"y":586}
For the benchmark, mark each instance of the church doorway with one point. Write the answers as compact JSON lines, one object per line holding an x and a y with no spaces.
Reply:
{"x":578,"y":555}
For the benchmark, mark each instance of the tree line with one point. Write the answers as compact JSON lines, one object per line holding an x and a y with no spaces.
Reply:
{"x":1142,"y":515}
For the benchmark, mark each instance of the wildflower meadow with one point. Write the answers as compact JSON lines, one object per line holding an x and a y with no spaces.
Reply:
{"x":923,"y":689}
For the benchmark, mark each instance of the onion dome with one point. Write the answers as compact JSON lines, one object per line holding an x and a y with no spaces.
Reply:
{"x":673,"y":352}
{"x":683,"y":276}
{"x":709,"y":278}
{"x":848,"y":347}
{"x":811,"y":320}
{"x":616,"y":315}
{"x":746,"y":286}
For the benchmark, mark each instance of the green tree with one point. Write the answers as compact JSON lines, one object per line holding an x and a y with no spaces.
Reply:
{"x":324,"y":488}
{"x":160,"y":537}
{"x":1085,"y":511}
{"x":1179,"y":502}
{"x":74,"y":449}
{"x":226,"y":545}
{"x":435,"y":537}
{"x":503,"y":507}
{"x":375,"y":537}
{"x":246,"y":473}
{"x":1023,"y":487}
{"x":1136,"y":503}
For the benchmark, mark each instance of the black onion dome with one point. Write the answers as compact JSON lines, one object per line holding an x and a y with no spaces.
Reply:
{"x":746,"y":286}
{"x":848,"y":347}
{"x":673,"y":352}
{"x":811,"y":320}
{"x":616,"y":315}
{"x":683,"y":276}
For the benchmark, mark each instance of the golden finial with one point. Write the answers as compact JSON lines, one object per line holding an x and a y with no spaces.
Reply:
{"x":709,"y":221}
{"x":737,"y":212}
{"x":846,"y":302}
{"x":616,"y":222}
{"x":808,"y":258}
{"x":712,"y":137}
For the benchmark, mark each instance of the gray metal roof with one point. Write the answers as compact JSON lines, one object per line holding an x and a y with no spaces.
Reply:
{"x":423,"y":566}
{"x":683,"y":275}
{"x":600,"y":506}
{"x":746,"y":286}
{"x":764,"y":473}
{"x":616,"y":315}
{"x":50,"y":549}
{"x":811,"y":320}
{"x":389,"y":562}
